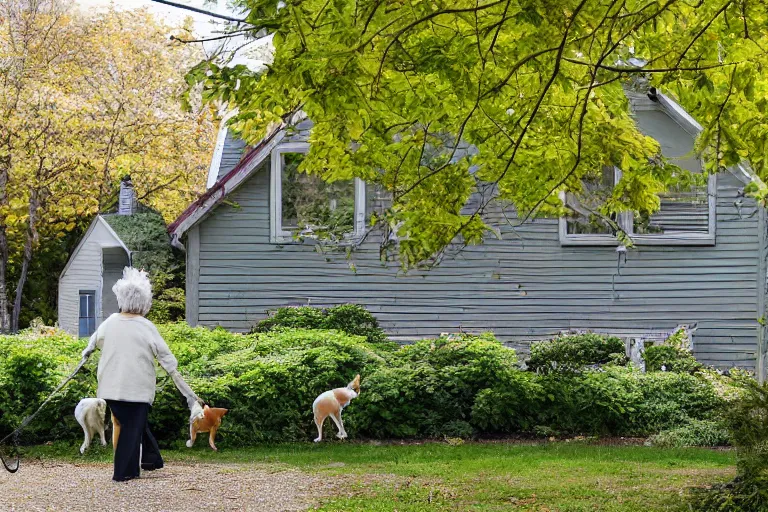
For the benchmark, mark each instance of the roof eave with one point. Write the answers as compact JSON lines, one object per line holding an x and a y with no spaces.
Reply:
{"x":223,"y":187}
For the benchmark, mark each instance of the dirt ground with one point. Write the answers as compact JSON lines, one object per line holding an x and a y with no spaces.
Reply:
{"x":49,"y":486}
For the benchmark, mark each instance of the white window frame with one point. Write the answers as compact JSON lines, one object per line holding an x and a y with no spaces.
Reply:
{"x":626,"y":221}
{"x":277,"y":234}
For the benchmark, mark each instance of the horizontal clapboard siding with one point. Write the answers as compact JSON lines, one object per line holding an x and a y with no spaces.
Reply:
{"x":523,"y":287}
{"x":84,"y":272}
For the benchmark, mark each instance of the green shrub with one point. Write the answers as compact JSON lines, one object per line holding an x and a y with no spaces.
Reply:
{"x":695,"y":433}
{"x":31,"y":366}
{"x":355,"y":320}
{"x":461,"y":387}
{"x":267,"y":380}
{"x":592,"y":402}
{"x":623,"y":401}
{"x":572,"y":353}
{"x":672,"y":399}
{"x":348,"y":318}
{"x":431,"y":384}
{"x":514,"y":404}
{"x":669,"y":359}
{"x":746,"y":420}
{"x":304,"y":317}
{"x":674,"y":355}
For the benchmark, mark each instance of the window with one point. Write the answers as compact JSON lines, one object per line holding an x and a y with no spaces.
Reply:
{"x":87,"y":313}
{"x":687,"y":212}
{"x":686,"y":215}
{"x":305,"y":206}
{"x":584,"y":206}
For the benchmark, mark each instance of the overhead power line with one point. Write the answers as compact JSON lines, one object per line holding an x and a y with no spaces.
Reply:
{"x":200,"y":11}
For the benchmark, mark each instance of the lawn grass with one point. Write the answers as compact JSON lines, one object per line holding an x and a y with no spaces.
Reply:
{"x":479,"y":476}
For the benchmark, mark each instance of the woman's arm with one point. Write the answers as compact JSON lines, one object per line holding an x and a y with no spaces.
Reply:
{"x":169,"y":363}
{"x":96,"y":341}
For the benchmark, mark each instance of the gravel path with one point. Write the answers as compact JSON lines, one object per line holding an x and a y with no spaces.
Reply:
{"x":177,"y":487}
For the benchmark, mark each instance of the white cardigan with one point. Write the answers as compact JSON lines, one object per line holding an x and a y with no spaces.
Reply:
{"x":129,"y":346}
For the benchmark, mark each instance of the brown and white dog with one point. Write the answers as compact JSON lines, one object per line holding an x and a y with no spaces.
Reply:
{"x":205,"y":419}
{"x":331,"y":403}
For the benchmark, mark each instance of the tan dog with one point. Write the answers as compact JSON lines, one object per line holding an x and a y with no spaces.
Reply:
{"x":206,"y":419}
{"x":331,"y":403}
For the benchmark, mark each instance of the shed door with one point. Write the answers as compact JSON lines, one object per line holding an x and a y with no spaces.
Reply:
{"x":87,"y":315}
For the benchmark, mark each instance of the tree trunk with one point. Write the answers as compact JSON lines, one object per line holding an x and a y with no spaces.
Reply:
{"x":31,"y":238}
{"x":5,"y":319}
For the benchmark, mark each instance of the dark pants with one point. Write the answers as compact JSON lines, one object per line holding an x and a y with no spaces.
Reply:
{"x":136,"y":446}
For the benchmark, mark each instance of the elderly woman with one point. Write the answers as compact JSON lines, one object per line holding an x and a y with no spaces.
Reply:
{"x":130,"y":344}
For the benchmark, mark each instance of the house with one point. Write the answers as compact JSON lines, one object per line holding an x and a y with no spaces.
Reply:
{"x":700,"y":259}
{"x":85,"y":296}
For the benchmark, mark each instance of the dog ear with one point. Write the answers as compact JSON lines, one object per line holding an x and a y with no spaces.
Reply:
{"x":355,"y":384}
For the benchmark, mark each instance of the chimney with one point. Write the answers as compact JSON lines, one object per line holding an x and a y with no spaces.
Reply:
{"x":127,"y":203}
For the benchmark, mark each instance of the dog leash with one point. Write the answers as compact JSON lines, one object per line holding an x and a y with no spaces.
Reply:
{"x":26,"y":421}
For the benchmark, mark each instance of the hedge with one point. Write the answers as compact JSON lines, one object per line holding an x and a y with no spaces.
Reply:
{"x":469,"y":386}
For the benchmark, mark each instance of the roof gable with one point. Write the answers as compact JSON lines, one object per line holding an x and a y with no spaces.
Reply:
{"x":98,"y":222}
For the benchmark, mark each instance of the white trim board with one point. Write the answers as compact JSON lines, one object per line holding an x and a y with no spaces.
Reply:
{"x":218,"y":150}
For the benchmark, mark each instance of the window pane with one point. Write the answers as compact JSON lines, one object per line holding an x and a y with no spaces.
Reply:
{"x":309,"y":204}
{"x":595,"y":192}
{"x":83,"y":306}
{"x":683,"y":209}
{"x":83,"y":329}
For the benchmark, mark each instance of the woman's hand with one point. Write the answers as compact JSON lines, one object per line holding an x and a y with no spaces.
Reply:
{"x":91,"y":346}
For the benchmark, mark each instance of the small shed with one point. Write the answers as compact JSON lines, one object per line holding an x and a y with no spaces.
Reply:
{"x":85,"y":296}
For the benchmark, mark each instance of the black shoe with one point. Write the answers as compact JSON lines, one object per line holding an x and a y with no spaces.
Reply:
{"x":125,"y":479}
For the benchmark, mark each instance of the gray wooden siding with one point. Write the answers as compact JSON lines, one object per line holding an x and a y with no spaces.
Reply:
{"x":84,"y":273}
{"x":523,"y":287}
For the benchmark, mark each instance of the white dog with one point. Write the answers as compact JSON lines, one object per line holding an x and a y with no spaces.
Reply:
{"x":90,"y":413}
{"x":331,"y":403}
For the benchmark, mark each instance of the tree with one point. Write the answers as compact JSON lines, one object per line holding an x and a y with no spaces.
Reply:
{"x":536,"y":85}
{"x":83,"y":101}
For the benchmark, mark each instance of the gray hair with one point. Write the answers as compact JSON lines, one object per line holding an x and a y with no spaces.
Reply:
{"x":133,"y":292}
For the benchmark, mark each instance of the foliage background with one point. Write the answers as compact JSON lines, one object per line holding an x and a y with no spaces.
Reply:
{"x":86,"y":98}
{"x":146,"y":236}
